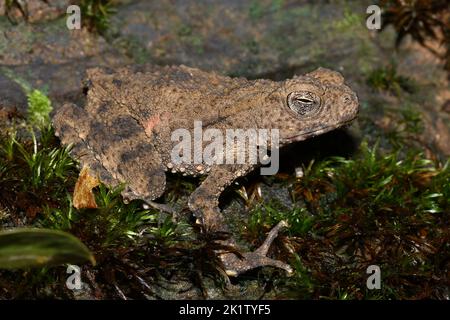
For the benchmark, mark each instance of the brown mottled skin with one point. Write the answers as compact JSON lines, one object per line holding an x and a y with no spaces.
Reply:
{"x":123,"y":133}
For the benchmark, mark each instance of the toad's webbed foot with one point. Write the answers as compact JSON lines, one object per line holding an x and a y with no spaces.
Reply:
{"x":235,"y":265}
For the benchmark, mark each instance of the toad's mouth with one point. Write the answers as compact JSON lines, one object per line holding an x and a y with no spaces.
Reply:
{"x":309,"y":134}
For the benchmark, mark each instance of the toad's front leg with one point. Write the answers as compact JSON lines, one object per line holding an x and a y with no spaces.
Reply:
{"x":204,"y":204}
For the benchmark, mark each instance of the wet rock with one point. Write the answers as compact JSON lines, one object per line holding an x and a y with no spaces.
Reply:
{"x":442,"y":135}
{"x":62,"y":82}
{"x":433,"y":91}
{"x":50,"y":43}
{"x":50,"y":58}
{"x":249,"y":38}
{"x":12,"y":98}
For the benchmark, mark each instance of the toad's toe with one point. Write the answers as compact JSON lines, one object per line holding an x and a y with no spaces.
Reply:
{"x":235,"y":265}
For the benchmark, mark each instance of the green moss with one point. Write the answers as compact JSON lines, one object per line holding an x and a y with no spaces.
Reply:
{"x":269,"y":214}
{"x":97,"y":14}
{"x":387,"y":79}
{"x":389,"y":210}
{"x":350,"y":21}
{"x":133,"y":48}
{"x":39,"y":108}
{"x":39,"y":104}
{"x":190,"y":36}
{"x":256,"y":10}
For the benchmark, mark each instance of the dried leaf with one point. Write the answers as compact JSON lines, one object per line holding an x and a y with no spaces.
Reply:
{"x":83,"y":197}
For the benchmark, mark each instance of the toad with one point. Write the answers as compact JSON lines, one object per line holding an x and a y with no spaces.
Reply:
{"x":125,"y":132}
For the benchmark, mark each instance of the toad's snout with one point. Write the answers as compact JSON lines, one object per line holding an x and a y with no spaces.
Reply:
{"x":350,"y":108}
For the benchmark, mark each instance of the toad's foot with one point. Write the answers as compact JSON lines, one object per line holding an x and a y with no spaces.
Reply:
{"x":235,"y":265}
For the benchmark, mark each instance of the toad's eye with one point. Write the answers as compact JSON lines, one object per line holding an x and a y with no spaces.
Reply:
{"x":303,"y":103}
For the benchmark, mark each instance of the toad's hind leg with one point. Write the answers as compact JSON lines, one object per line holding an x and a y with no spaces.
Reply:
{"x":116,"y":149}
{"x":204,"y":204}
{"x":128,"y":154}
{"x":71,"y":125}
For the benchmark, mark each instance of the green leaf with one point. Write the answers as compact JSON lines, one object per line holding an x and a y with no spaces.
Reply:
{"x":29,"y":247}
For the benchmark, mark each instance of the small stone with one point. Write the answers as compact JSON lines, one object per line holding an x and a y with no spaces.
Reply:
{"x":170,"y":165}
{"x":199,"y":167}
{"x":299,"y":172}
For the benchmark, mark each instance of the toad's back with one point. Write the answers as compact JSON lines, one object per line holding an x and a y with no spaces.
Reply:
{"x":185,"y":93}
